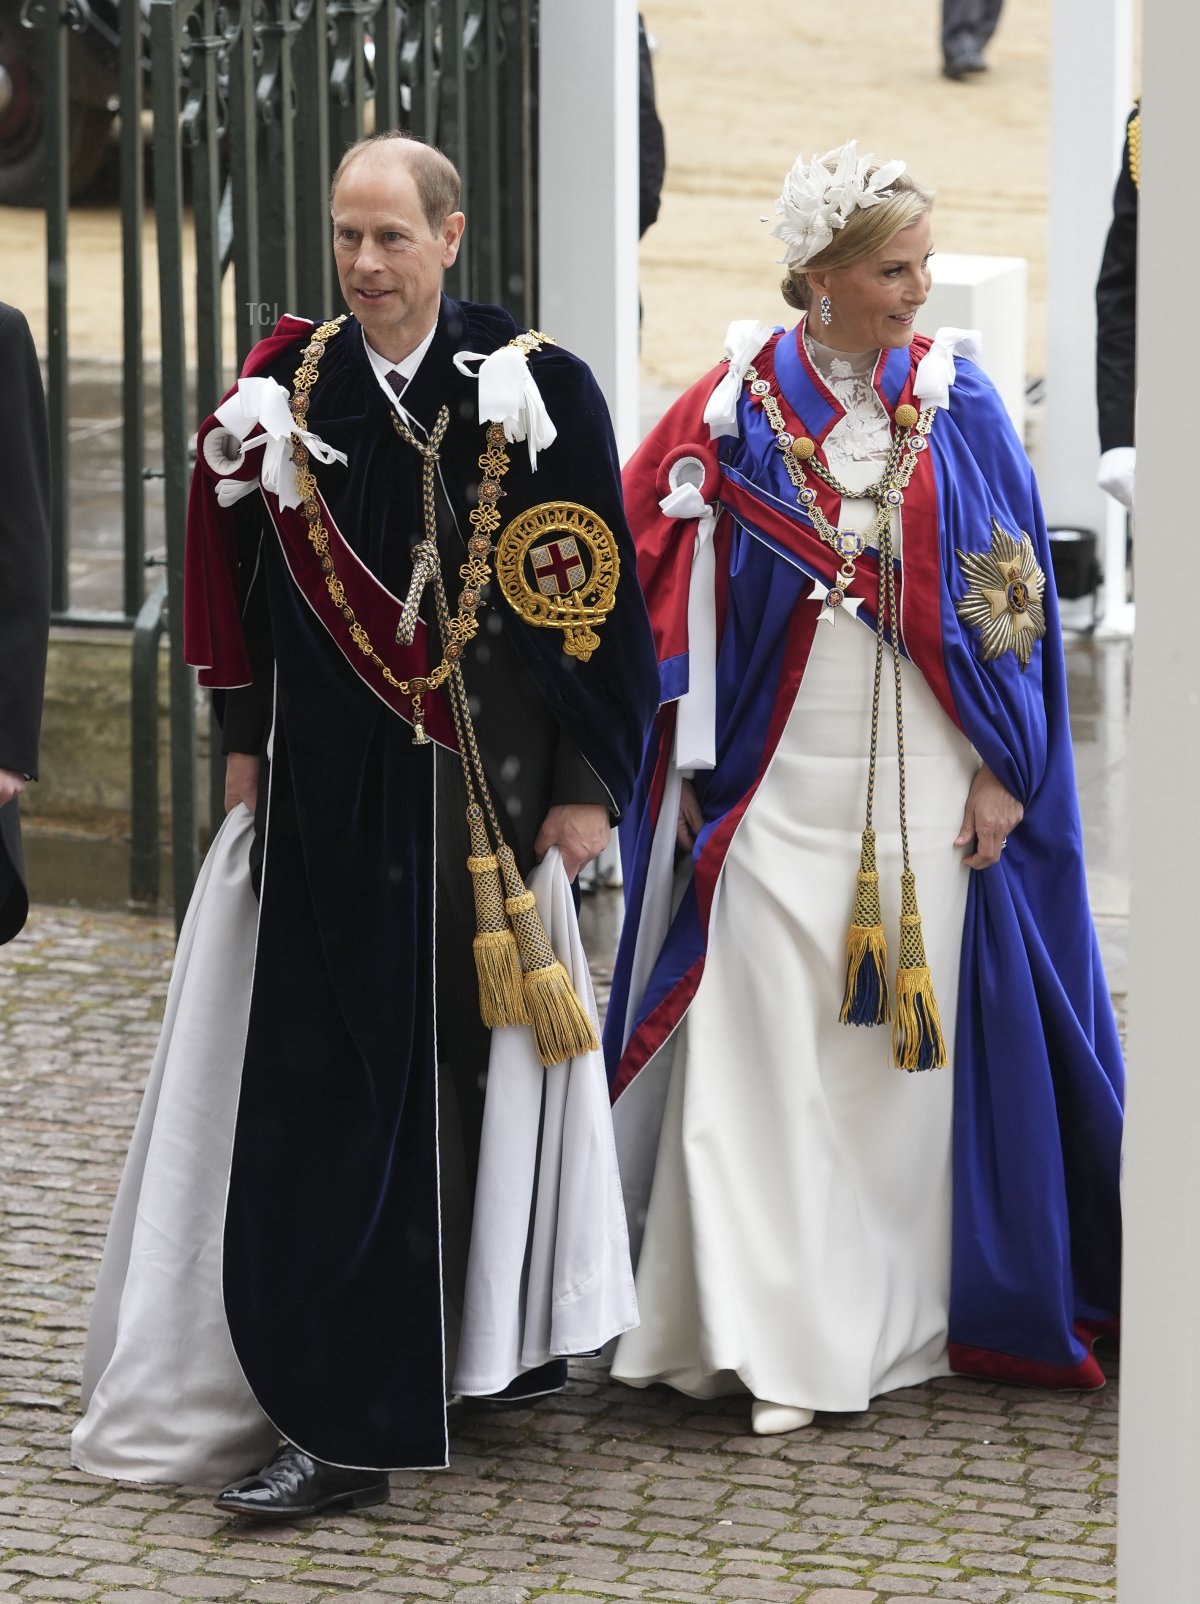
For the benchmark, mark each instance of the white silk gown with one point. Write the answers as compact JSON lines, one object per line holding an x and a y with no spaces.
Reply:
{"x":797,"y":1236}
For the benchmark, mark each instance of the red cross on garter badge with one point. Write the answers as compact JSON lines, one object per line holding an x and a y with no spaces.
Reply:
{"x":558,"y":567}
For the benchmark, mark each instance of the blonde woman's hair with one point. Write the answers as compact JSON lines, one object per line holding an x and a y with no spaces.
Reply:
{"x":867,"y":230}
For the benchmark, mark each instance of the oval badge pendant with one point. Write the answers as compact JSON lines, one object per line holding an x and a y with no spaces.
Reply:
{"x":557,"y":567}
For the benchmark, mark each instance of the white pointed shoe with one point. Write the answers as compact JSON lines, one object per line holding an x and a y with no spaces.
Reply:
{"x":772,"y":1419}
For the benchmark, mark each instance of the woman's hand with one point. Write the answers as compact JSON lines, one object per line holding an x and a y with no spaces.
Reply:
{"x":690,"y":817}
{"x":241,"y":780}
{"x":991,"y":812}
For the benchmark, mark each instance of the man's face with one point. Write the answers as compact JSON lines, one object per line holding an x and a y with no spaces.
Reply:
{"x":389,"y":261}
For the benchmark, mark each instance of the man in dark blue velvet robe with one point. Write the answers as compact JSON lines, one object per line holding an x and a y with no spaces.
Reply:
{"x":358,"y":1124}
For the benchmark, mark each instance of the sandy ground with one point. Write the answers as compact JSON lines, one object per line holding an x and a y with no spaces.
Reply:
{"x":742,"y":88}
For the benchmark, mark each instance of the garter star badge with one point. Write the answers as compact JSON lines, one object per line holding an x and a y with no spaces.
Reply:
{"x":1004,"y":596}
{"x":557,"y":567}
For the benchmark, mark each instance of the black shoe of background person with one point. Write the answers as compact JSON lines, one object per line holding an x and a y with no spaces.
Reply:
{"x":960,"y":67}
{"x":294,"y":1483}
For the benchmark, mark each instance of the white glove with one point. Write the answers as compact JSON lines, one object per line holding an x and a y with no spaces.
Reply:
{"x":1115,"y":474}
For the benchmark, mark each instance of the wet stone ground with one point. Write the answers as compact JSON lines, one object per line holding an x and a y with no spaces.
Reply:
{"x":956,"y":1490}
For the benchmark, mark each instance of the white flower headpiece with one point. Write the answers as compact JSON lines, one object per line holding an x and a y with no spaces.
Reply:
{"x":819,"y":196}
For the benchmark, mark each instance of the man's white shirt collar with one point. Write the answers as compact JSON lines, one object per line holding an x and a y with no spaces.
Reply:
{"x":407,"y":367}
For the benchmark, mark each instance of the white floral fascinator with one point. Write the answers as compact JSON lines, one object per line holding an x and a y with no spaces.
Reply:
{"x":819,"y":197}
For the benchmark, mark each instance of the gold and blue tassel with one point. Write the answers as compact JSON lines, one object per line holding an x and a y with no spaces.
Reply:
{"x":867,"y":1000}
{"x":917,"y":1039}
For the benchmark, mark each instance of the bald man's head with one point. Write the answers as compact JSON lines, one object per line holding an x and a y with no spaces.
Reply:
{"x":436,"y":177}
{"x":390,"y":254}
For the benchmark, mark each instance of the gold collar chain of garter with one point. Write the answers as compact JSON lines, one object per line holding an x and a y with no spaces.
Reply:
{"x":475,"y":572}
{"x":521,"y":981}
{"x":917,"y":1038}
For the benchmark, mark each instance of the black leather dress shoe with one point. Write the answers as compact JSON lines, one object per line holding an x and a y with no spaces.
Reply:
{"x":296,"y":1484}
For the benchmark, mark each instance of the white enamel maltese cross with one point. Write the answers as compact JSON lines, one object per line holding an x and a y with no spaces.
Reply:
{"x":832,"y":602}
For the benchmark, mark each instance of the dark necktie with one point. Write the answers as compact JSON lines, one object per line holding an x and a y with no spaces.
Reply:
{"x":397,"y":381}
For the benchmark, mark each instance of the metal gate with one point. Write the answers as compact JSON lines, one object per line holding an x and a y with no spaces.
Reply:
{"x":252,"y":103}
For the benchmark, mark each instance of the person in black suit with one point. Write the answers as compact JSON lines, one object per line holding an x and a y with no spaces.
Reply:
{"x":652,"y":147}
{"x":24,"y":597}
{"x":1116,"y":326}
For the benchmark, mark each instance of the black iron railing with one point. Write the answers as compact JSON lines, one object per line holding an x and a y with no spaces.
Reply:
{"x":252,"y":104}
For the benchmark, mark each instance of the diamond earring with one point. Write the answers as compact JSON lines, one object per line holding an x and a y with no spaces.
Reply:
{"x":826,"y":310}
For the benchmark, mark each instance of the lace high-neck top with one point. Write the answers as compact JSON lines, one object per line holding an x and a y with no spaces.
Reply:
{"x":856,"y":447}
{"x":865,"y":433}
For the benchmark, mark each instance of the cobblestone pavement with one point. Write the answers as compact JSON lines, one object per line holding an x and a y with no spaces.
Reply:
{"x":955,"y":1490}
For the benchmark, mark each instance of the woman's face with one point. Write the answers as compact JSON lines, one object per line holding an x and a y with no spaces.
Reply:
{"x":874,"y":302}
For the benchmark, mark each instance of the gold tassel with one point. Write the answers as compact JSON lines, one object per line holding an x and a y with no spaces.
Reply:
{"x":497,"y":961}
{"x":867,"y":1001}
{"x":562,"y":1028}
{"x":917,"y":1040}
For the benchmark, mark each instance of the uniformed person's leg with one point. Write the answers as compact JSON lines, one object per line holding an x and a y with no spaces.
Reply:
{"x":967,"y":25}
{"x":990,"y":20}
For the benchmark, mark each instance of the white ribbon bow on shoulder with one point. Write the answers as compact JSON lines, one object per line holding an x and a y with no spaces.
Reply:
{"x":260,"y":403}
{"x":744,"y":340}
{"x":508,"y":395}
{"x":935,"y":371}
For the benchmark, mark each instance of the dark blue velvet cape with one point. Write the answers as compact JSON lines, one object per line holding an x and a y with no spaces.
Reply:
{"x":333,"y":1269}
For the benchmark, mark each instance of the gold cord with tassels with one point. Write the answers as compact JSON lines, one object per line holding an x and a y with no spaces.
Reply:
{"x":917,"y":1038}
{"x":867,"y":1001}
{"x":535,"y":989}
{"x":521,"y":981}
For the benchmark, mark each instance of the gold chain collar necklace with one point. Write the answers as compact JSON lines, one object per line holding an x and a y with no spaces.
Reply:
{"x":887,"y":492}
{"x":475,"y":572}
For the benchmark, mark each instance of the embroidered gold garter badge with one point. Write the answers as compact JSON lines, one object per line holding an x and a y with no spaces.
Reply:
{"x":557,"y":567}
{"x":1004,"y":596}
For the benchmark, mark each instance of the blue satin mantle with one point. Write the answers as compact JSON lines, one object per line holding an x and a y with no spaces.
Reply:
{"x":1038,"y":1069}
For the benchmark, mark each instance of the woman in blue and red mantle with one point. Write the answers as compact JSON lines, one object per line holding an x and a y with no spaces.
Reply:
{"x":816,"y":1226}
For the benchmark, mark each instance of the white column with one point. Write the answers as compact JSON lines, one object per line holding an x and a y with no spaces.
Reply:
{"x":1160,"y":1395}
{"x":588,"y":194}
{"x":1090,"y":97}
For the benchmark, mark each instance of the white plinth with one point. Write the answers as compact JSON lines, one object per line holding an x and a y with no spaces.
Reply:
{"x":985,"y":293}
